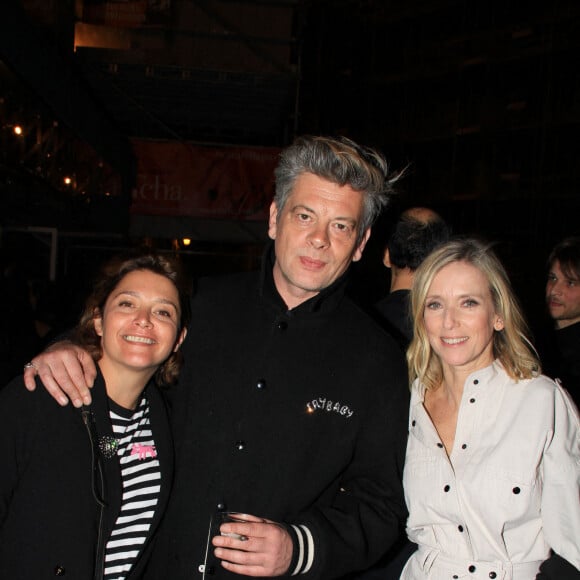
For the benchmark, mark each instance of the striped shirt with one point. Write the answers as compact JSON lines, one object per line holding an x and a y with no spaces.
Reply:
{"x":141,"y":480}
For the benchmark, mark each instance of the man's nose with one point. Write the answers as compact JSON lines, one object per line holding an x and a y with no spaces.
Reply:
{"x":555,"y":286}
{"x":319,"y":236}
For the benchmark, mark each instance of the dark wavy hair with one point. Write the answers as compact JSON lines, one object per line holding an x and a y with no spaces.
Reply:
{"x":567,"y":252}
{"x":109,"y":277}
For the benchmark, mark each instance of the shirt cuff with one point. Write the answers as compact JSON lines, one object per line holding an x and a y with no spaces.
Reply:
{"x":303,"y":553}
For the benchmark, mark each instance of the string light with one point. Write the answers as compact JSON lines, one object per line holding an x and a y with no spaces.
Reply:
{"x":41,"y":146}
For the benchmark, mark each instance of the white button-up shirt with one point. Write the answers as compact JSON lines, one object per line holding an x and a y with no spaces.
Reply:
{"x":509,"y":490}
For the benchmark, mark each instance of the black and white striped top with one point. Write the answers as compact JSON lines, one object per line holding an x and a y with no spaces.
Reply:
{"x":141,"y":479}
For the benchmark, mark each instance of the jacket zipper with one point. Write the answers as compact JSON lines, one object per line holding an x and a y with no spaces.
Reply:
{"x":88,"y":420}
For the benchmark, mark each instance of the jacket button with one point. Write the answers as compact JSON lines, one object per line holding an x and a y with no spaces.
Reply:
{"x":472,"y":400}
{"x":472,"y":568}
{"x":261,"y":384}
{"x":282,"y":325}
{"x":476,"y":382}
{"x":413,"y":423}
{"x":440,"y":445}
{"x":460,"y":528}
{"x":240,"y":445}
{"x":59,"y":570}
{"x":221,"y":506}
{"x":446,"y":488}
{"x":492,"y":575}
{"x":516,"y":490}
{"x":464,"y":446}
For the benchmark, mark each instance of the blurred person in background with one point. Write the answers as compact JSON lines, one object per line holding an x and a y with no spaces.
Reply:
{"x":417,"y":232}
{"x":560,"y":347}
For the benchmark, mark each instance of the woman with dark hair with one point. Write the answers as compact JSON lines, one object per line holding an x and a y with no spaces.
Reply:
{"x":82,"y":491}
{"x":492,"y":470}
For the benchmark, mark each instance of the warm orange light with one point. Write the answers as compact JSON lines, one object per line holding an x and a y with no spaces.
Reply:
{"x":67,"y":180}
{"x":186,"y":241}
{"x":17,"y":130}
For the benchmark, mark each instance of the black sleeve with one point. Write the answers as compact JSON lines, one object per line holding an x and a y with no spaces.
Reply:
{"x":556,"y":568}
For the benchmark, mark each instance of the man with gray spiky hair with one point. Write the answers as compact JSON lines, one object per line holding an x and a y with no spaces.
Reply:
{"x":292,"y":406}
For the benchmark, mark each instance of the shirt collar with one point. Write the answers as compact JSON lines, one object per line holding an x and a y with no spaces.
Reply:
{"x":474,"y":382}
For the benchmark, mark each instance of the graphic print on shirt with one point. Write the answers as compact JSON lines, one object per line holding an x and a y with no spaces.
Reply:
{"x":142,"y":451}
{"x":324,"y":404}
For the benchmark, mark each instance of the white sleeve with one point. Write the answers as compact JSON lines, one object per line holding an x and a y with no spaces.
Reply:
{"x":561,"y":480}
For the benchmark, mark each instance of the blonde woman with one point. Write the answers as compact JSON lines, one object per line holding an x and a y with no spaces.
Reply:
{"x":492,"y":467}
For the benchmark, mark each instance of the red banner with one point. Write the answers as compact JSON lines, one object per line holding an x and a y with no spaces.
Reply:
{"x":179,"y":179}
{"x":126,"y":13}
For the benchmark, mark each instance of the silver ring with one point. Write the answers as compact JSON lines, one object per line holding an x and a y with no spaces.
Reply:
{"x":30,"y":365}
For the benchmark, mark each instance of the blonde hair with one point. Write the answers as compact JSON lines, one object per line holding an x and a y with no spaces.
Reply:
{"x":511,"y":346}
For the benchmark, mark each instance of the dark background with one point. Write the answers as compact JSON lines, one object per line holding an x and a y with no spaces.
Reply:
{"x":479,"y":99}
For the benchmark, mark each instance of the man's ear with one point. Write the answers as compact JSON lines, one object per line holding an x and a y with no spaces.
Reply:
{"x":387,"y":258}
{"x":361,"y":246}
{"x":272,"y":221}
